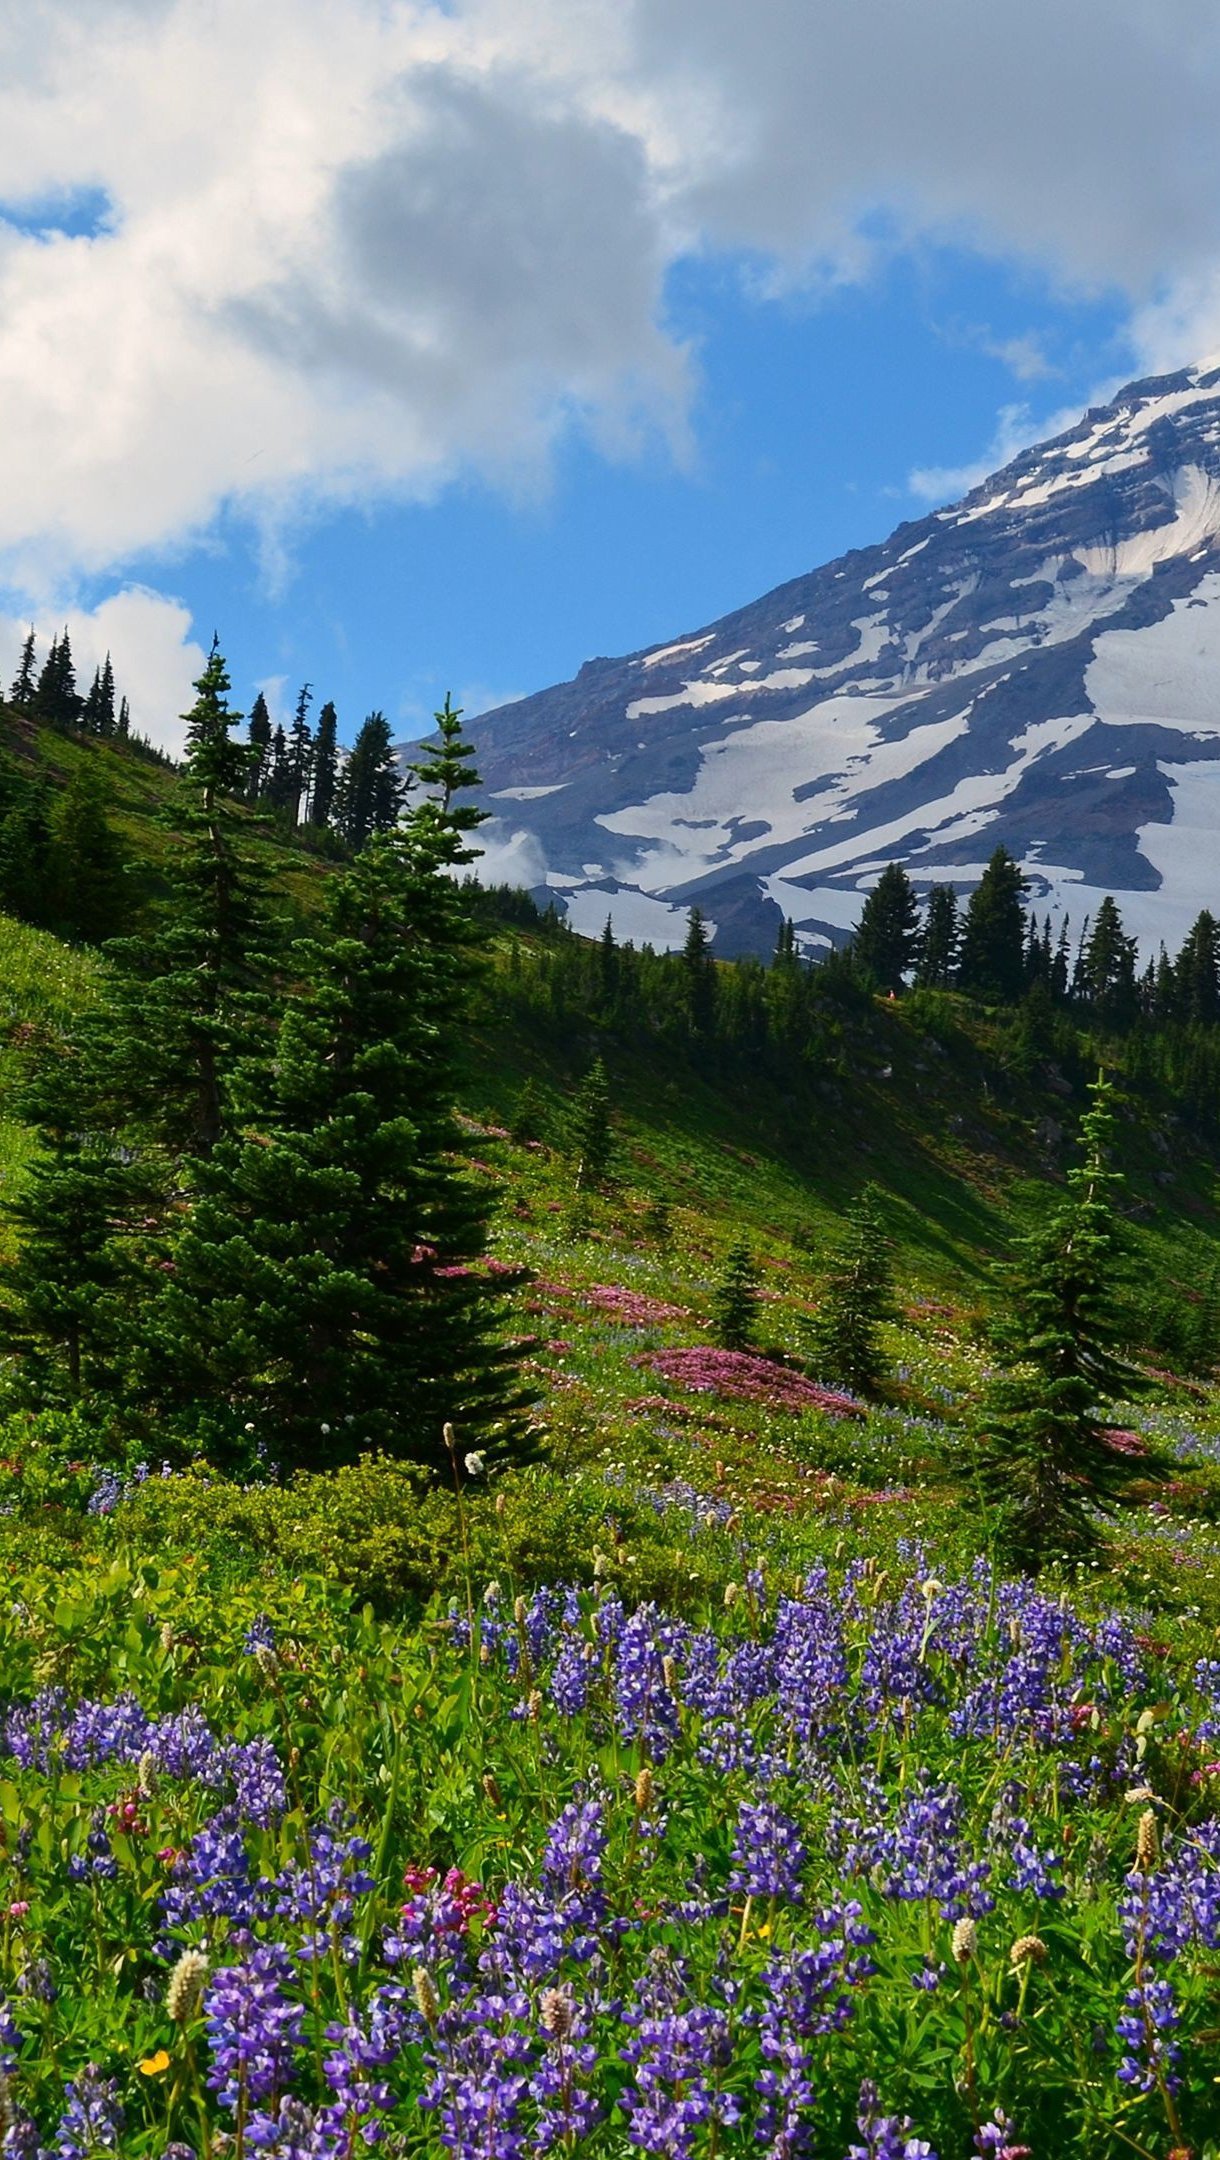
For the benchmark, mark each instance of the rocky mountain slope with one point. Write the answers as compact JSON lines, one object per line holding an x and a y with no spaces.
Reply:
{"x":1038,"y":665}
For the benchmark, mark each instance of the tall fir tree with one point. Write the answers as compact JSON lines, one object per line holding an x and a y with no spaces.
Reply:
{"x":591,"y":1129}
{"x":24,"y":686}
{"x":300,"y":754}
{"x":122,"y":726}
{"x":1108,"y":969}
{"x":277,"y":782}
{"x":330,"y":1285}
{"x":938,"y":945}
{"x":699,"y":977}
{"x":258,"y":733}
{"x":325,"y":767}
{"x":1039,"y":1456}
{"x":191,"y":995}
{"x":886,"y":943}
{"x":1197,"y":973}
{"x":370,"y":792}
{"x":992,"y":962}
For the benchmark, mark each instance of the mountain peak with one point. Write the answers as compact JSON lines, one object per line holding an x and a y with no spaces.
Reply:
{"x":1036,"y":665}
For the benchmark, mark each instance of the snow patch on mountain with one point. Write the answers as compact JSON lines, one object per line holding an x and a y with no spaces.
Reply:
{"x":962,"y":684}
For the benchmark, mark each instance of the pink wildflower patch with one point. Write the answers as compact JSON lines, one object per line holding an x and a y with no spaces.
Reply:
{"x":1121,"y":1442}
{"x":745,"y":1378}
{"x":630,"y":1307}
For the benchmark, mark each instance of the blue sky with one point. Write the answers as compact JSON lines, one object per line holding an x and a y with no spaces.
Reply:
{"x":808,"y":422}
{"x":419,"y":347}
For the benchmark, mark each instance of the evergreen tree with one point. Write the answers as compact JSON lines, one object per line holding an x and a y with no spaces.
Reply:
{"x":443,"y":770}
{"x":369,"y":795}
{"x":591,"y":1132}
{"x":939,"y":943}
{"x":106,"y":718}
{"x":55,"y":696}
{"x":699,"y":974}
{"x":886,"y":942}
{"x":24,"y":689}
{"x":300,"y":754}
{"x":63,"y":1297}
{"x":258,"y":731}
{"x":785,"y":944}
{"x":27,"y":855}
{"x":46,"y":691}
{"x":529,"y":1119}
{"x":735,"y":1302}
{"x":123,"y":723}
{"x":1040,"y":1457}
{"x":1059,"y":965}
{"x":277,"y":782}
{"x":1197,"y":974}
{"x":1109,"y":969}
{"x":329,"y":1284}
{"x":92,"y":704}
{"x":192,"y":995}
{"x":89,"y":874}
{"x":607,"y":965}
{"x":325,"y":767}
{"x":858,"y":1298}
{"x":993,"y":935}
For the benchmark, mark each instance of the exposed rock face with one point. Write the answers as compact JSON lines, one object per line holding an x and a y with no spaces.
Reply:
{"x":1038,"y":666}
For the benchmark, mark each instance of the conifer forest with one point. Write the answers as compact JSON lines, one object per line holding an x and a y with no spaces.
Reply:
{"x":608,"y":1551}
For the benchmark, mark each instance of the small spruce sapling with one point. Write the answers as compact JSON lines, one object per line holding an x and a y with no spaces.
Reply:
{"x":858,"y":1299}
{"x":1041,"y":1461}
{"x":592,"y":1133}
{"x":735,"y":1302}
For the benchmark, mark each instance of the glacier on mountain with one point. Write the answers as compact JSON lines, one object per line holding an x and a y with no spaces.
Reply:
{"x":1038,"y":665}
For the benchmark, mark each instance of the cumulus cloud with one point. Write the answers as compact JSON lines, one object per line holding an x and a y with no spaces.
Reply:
{"x":155,"y":658}
{"x":337,"y":247}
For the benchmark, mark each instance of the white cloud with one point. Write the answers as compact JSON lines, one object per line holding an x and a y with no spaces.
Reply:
{"x":369,"y":245}
{"x":156,"y":661}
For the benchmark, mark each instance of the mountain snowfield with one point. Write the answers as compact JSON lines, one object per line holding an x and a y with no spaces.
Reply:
{"x":1038,"y":665}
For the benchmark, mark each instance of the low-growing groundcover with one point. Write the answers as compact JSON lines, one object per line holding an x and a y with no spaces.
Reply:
{"x":864,"y":1866}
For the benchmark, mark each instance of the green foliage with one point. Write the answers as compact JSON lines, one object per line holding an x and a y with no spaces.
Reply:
{"x":1040,"y":1460}
{"x":845,"y":1337}
{"x":887,"y":939}
{"x":590,"y":1130}
{"x":992,"y":963}
{"x":329,"y":1276}
{"x":735,"y":1302}
{"x":369,"y":792}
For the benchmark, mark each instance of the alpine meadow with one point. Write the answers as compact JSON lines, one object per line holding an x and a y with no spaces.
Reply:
{"x":610,"y":1080}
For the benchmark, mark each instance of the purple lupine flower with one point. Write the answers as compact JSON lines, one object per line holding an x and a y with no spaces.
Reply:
{"x":92,"y":2119}
{"x":572,"y":1675}
{"x":213,"y":1879}
{"x":575,"y":1846}
{"x":479,"y":2061}
{"x":260,"y":1635}
{"x":995,"y":2141}
{"x":885,"y":2136}
{"x":676,"y":2057}
{"x":1146,"y":2028}
{"x":768,"y":1855}
{"x":253,"y":2026}
{"x":321,"y":1894}
{"x":106,"y":1494}
{"x":646,"y":1707}
{"x":567,"y":2108}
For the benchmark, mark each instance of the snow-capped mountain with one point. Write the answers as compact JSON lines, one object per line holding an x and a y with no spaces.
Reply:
{"x":1038,"y":666}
